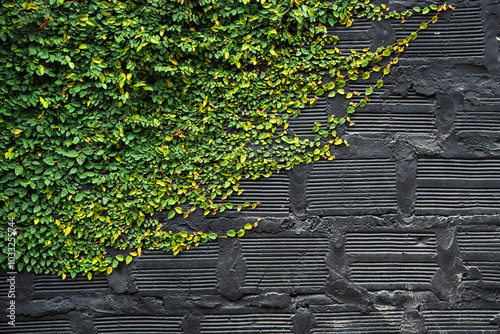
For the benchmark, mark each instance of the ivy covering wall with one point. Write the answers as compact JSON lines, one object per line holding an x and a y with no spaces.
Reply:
{"x":112,"y":111}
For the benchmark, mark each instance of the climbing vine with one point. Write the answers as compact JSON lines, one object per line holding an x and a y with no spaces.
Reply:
{"x":114,"y":110}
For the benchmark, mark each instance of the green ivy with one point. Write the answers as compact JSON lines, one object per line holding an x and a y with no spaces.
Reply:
{"x":114,"y":110}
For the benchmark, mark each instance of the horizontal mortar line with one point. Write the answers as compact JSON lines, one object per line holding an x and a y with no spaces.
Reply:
{"x":257,"y":324}
{"x":372,"y":161}
{"x":284,"y":257}
{"x":396,"y":237}
{"x":199,"y":284}
{"x":343,"y":177}
{"x":390,"y":251}
{"x":269,"y":279}
{"x":401,"y":265}
{"x":166,"y":286}
{"x":477,"y":234}
{"x":360,"y":326}
{"x":470,"y":193}
{"x":290,"y":253}
{"x":285,"y":274}
{"x":357,"y":315}
{"x":360,"y":206}
{"x":359,"y":123}
{"x":458,"y":183}
{"x":345,"y":193}
{"x":283,"y":240}
{"x":453,"y":202}
{"x":352,"y":188}
{"x":389,"y":244}
{"x":282,"y":282}
{"x":172,"y":269}
{"x":392,"y":273}
{"x":455,"y":173}
{"x":249,"y":331}
{"x":478,"y":240}
{"x":341,"y":201}
{"x":396,"y":234}
{"x":298,"y":268}
{"x":184,"y":277}
{"x":143,"y":323}
{"x":380,"y":278}
{"x":478,"y":250}
{"x":466,"y":314}
{"x":301,"y":246}
{"x":343,"y":180}
{"x":211,"y":318}
{"x":353,"y":208}
{"x":458,"y":167}
{"x":356,"y":320}
{"x":280,"y":267}
{"x":365,"y":164}
{"x":492,"y":245}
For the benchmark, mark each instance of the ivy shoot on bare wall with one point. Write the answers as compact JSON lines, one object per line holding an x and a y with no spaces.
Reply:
{"x":113,"y":110}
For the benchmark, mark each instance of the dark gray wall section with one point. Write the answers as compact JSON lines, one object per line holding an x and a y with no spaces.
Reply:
{"x":399,"y":234}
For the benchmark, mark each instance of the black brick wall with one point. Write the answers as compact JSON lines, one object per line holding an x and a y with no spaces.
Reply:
{"x":399,"y":234}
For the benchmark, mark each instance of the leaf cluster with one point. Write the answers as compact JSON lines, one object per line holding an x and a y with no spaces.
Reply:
{"x":113,"y":110}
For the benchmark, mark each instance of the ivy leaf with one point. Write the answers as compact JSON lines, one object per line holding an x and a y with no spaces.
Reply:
{"x":80,"y":159}
{"x":72,"y":153}
{"x":231,"y":233}
{"x":178,"y":210}
{"x":87,"y":151}
{"x":49,"y":161}
{"x":67,"y":230}
{"x":19,"y":170}
{"x":171,"y":214}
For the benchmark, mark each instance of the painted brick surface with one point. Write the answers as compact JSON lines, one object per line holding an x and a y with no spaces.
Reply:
{"x":399,"y":234}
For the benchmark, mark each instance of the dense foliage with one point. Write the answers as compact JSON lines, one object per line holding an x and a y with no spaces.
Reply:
{"x":113,"y":110}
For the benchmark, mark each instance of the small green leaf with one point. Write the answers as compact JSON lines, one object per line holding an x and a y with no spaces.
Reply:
{"x":119,"y":257}
{"x":171,"y":214}
{"x":231,"y":233}
{"x":212,"y":236}
{"x":49,"y":161}
{"x":87,"y":151}
{"x":178,"y":209}
{"x":18,"y":170}
{"x":241,"y":233}
{"x":80,"y":159}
